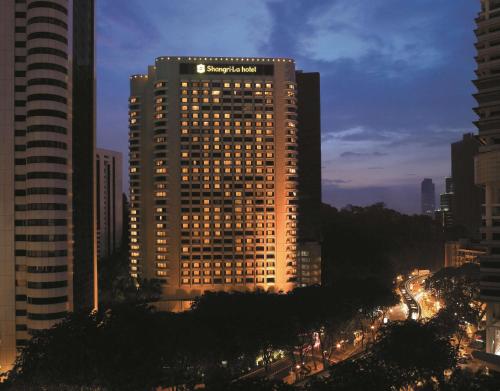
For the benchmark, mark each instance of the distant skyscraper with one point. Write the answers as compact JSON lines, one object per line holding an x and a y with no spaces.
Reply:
{"x":468,"y":197}
{"x":428,"y":197}
{"x":487,"y":170}
{"x":47,"y":133}
{"x":309,"y":164}
{"x":109,"y":202}
{"x":213,"y":175}
{"x":446,"y":204}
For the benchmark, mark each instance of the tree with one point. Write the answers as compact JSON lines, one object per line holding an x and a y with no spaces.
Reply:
{"x":406,"y":354}
{"x":413,"y":352}
{"x":120,"y":349}
{"x":376,"y":242}
{"x":132,"y":347}
{"x":462,"y":380}
{"x":260,"y":384}
{"x":353,"y":375}
{"x":458,"y":289}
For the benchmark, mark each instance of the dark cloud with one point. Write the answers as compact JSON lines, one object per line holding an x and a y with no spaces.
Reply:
{"x":336,"y":181}
{"x":362,"y":154}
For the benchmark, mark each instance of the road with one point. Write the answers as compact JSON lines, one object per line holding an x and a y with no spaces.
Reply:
{"x":276,"y":368}
{"x":414,"y":309}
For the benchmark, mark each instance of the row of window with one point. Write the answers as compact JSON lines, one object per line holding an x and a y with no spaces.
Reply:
{"x":47,"y":129}
{"x":41,"y":254}
{"x":48,"y":4}
{"x":216,"y":281}
{"x":47,"y":285}
{"x":46,"y":159}
{"x":234,"y":84}
{"x":247,"y":273}
{"x":49,"y":20}
{"x":46,"y":175}
{"x":47,"y":113}
{"x":41,"y":223}
{"x":40,"y":207}
{"x":40,"y":191}
{"x":41,"y":238}
{"x":198,"y":265}
{"x":47,"y":82}
{"x":48,"y":35}
{"x":47,"y":97}
{"x":256,"y":101}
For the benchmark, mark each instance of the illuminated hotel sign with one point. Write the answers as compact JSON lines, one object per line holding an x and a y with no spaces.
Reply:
{"x":226,"y":69}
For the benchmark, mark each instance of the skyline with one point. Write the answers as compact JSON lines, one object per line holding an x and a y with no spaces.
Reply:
{"x":219,"y":268}
{"x":368,"y":157}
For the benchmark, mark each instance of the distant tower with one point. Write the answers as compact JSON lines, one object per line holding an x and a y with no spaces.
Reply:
{"x":446,"y":204}
{"x":110,"y":202}
{"x":428,"y":193}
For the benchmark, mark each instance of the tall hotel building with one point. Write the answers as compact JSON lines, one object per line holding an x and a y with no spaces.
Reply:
{"x":46,"y":130}
{"x":487,"y":165}
{"x":213,"y":175}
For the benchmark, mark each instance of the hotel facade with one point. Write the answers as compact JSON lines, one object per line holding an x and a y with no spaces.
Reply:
{"x":213,"y":175}
{"x":46,"y":127}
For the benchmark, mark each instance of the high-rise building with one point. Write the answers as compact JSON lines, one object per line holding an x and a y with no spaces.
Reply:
{"x":428,"y":197}
{"x":40,"y":111}
{"x":109,"y":182}
{"x":309,"y":165}
{"x":213,"y":175}
{"x":487,"y":168}
{"x":446,"y":204}
{"x":468,"y":197}
{"x":83,"y":151}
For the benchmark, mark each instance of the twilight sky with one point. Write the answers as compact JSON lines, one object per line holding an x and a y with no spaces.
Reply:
{"x":396,"y":74}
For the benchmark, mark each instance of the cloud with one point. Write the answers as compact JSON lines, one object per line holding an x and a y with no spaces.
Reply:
{"x":362,"y":154}
{"x":335,"y":181}
{"x":132,"y":34}
{"x":339,"y":32}
{"x":428,"y":136}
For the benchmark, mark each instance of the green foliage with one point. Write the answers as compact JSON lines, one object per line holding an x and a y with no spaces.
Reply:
{"x":462,"y":380}
{"x":130,"y":347}
{"x":377,"y":242}
{"x":414,"y":352}
{"x":116,"y":286}
{"x":353,"y":375}
{"x":458,"y":288}
{"x":260,"y":384}
{"x":406,"y":354}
